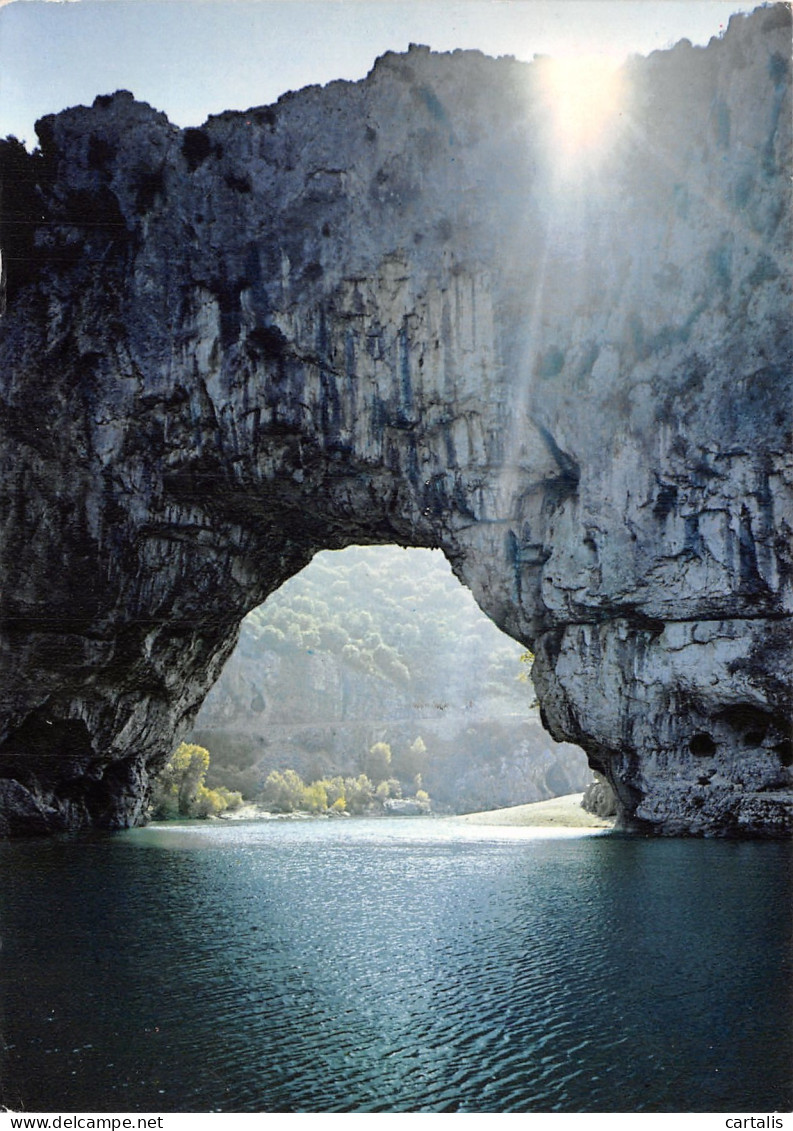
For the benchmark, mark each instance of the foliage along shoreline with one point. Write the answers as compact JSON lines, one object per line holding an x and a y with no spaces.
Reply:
{"x":180,"y":791}
{"x":181,"y":794}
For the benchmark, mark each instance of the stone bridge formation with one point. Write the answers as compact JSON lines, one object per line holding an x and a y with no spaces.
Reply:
{"x":412,"y":309}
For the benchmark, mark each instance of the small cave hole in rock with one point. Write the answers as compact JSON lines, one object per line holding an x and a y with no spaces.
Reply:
{"x":702,"y":745}
{"x":754,"y":738}
{"x":372,"y":680}
{"x":785,"y":751}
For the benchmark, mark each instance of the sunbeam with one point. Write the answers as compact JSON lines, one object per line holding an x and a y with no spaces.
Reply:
{"x":584,"y":95}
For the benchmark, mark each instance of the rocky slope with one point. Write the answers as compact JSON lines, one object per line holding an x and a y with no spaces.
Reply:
{"x":404,"y":310}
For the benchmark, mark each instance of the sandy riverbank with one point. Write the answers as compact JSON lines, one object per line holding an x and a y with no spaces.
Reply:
{"x":558,"y":812}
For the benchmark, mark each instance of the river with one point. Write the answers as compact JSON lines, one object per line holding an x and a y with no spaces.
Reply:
{"x":394,"y":965}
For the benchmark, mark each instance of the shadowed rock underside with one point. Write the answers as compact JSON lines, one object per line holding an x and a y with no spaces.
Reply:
{"x":400,"y":310}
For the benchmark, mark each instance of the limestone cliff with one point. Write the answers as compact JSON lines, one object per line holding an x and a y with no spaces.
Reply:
{"x":403,"y":310}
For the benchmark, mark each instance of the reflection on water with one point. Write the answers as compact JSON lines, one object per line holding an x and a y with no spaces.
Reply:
{"x":394,"y":966}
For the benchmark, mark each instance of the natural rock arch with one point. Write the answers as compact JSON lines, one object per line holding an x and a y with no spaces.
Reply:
{"x":385,"y":311}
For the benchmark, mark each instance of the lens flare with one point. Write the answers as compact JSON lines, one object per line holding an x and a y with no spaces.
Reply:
{"x":584,"y":97}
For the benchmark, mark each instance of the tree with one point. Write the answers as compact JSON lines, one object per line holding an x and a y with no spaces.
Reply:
{"x":377,"y":763}
{"x":360,"y":793}
{"x":177,"y":783}
{"x":213,"y":802}
{"x":315,"y":799}
{"x":191,"y":763}
{"x":283,"y":791}
{"x":411,"y":762}
{"x":334,"y":791}
{"x":179,"y":790}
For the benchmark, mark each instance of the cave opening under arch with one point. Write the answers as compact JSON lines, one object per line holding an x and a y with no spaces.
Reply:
{"x":383,"y":645}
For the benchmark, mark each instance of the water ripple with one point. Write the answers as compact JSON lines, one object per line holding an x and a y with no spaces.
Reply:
{"x":381,"y":966}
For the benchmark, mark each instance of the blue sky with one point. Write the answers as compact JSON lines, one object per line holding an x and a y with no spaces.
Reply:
{"x":192,"y":58}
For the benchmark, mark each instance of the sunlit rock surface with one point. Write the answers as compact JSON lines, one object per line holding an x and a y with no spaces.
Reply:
{"x":404,"y":310}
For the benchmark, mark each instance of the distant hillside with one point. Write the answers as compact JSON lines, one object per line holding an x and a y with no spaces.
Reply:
{"x":377,"y":644}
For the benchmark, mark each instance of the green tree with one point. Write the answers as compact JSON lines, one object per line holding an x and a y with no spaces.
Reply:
{"x":180,"y":790}
{"x":334,"y":791}
{"x":177,"y":783}
{"x":315,"y":799}
{"x":283,"y":791}
{"x":377,"y":763}
{"x":411,"y":762}
{"x":213,"y":802}
{"x":359,"y":792}
{"x":394,"y":787}
{"x":191,"y":763}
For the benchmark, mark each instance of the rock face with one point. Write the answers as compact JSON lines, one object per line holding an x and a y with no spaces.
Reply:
{"x":408,"y":310}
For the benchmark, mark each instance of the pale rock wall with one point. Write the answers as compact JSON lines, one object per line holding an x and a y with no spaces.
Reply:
{"x":396,"y":310}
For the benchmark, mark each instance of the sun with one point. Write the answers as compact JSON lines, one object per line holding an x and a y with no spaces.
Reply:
{"x":584,"y":99}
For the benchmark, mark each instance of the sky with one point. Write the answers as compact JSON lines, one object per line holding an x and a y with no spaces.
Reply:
{"x":192,"y":58}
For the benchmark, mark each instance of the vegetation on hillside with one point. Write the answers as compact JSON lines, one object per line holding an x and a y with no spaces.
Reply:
{"x":392,"y":614}
{"x":380,"y":645}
